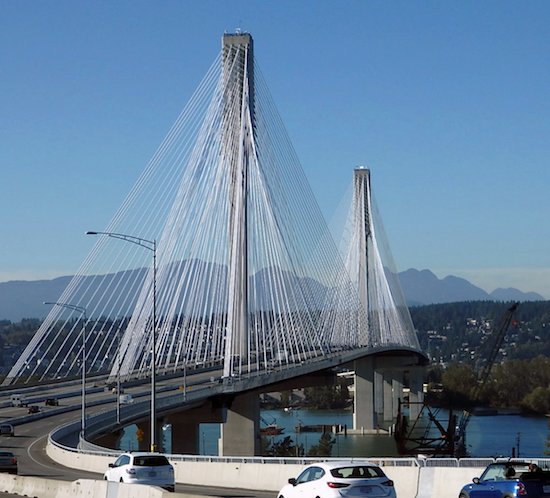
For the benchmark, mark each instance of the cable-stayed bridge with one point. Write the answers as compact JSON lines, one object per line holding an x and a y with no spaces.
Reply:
{"x":223,"y":256}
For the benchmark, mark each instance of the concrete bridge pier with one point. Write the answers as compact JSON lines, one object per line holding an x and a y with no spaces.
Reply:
{"x":416,"y":393}
{"x":393,"y":391}
{"x":364,"y":418}
{"x":379,"y":385}
{"x":185,"y":433}
{"x":240,"y":431}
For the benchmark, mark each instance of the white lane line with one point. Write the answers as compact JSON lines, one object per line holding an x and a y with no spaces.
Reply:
{"x":29,"y":448}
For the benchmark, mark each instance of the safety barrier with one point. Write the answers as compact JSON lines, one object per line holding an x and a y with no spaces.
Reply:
{"x":413,"y":477}
{"x":51,"y":488}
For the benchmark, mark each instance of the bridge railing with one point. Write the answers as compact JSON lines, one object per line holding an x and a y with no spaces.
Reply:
{"x":87,"y":447}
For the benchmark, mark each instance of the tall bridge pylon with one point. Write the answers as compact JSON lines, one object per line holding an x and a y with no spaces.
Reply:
{"x":370,"y":265}
{"x":246,"y":275}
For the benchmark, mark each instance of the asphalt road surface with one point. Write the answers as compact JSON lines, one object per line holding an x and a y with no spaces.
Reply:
{"x":29,"y":445}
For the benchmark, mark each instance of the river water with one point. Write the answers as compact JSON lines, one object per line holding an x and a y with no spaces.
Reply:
{"x":487,"y":436}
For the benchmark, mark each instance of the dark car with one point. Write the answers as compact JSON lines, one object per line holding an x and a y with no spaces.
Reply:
{"x":509,"y":480}
{"x":8,"y":462}
{"x":6,"y":430}
{"x":51,"y":402}
{"x":34,"y":409}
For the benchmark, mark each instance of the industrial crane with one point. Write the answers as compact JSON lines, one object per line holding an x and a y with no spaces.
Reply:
{"x":447,"y":438}
{"x":486,"y":370}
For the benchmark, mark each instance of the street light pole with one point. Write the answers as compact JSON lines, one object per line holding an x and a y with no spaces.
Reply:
{"x":151,"y":245}
{"x":118,"y":376}
{"x":81,"y":310}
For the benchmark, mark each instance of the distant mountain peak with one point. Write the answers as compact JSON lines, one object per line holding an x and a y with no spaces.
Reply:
{"x":424,"y":287}
{"x":23,"y":298}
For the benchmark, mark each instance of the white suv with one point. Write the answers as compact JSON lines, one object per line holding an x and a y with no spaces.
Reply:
{"x":142,"y":468}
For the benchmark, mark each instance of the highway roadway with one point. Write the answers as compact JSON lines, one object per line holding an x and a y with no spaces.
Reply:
{"x":29,"y":441}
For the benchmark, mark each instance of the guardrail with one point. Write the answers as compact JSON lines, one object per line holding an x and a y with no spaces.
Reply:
{"x":413,"y":477}
{"x":87,"y":447}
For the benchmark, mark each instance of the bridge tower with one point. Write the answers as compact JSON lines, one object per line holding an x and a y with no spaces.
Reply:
{"x":237,"y":148}
{"x":378,"y":380}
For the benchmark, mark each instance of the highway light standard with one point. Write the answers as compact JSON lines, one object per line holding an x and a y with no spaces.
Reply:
{"x":151,"y":245}
{"x":81,"y":310}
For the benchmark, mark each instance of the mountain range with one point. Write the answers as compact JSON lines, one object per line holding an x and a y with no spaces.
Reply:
{"x":24,"y":299}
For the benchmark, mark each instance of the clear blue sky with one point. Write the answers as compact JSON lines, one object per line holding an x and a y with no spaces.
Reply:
{"x":447,"y":102}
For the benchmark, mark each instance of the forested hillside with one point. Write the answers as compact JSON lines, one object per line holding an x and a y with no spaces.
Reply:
{"x":462,"y":332}
{"x":456,"y":336}
{"x":459,"y":337}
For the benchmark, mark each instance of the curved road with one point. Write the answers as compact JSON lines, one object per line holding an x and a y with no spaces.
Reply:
{"x":29,"y":445}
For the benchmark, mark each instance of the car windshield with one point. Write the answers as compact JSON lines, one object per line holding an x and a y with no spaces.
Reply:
{"x":151,"y":461}
{"x":357,"y":471}
{"x":498,"y":472}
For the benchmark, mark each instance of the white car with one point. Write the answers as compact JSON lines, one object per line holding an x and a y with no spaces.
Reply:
{"x":338,"y":480}
{"x":142,"y":468}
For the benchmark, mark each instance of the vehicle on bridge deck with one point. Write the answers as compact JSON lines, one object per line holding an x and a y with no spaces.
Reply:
{"x":353,"y":479}
{"x":511,"y":479}
{"x":33,"y":409}
{"x":6,"y":430}
{"x":153,"y":469}
{"x":8,"y":462}
{"x":18,"y":400}
{"x":125,"y":399}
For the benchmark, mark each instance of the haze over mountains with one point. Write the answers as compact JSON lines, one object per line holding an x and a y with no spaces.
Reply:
{"x":24,"y":299}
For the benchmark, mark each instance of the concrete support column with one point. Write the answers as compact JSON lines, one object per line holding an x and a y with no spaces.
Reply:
{"x":185,"y":435}
{"x":240,"y":432}
{"x":389,"y":408}
{"x":363,"y":409}
{"x":378,"y":397}
{"x":416,"y":394}
{"x":397,"y":394}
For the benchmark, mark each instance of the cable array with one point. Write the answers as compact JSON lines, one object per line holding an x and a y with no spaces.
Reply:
{"x":246,"y":274}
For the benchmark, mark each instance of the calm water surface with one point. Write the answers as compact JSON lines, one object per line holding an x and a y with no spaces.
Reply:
{"x":486,"y":436}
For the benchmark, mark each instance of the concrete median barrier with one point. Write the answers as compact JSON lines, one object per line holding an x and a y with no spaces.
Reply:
{"x":50,"y":488}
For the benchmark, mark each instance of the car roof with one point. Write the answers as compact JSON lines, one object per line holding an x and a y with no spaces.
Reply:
{"x":510,"y":463}
{"x":142,"y":453}
{"x":344,"y":463}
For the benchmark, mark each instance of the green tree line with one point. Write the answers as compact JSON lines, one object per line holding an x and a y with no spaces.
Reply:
{"x":521,"y":384}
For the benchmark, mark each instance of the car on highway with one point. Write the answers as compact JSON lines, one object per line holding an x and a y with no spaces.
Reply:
{"x":339,"y":479}
{"x":34,"y":409}
{"x":510,"y":479}
{"x":8,"y":462}
{"x":125,"y":399}
{"x":6,"y":430}
{"x":142,"y":468}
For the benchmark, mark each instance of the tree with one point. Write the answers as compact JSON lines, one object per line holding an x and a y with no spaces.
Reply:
{"x":538,"y":400}
{"x":327,"y":397}
{"x":458,"y":381}
{"x":284,"y":448}
{"x":324,"y":448}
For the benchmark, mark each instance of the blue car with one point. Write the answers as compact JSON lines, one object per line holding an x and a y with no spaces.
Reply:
{"x":509,"y":480}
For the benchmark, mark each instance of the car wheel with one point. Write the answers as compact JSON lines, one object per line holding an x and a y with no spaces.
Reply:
{"x":462,"y":495}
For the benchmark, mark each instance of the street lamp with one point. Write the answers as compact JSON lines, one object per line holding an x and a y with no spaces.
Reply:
{"x":151,"y":245}
{"x":81,"y":310}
